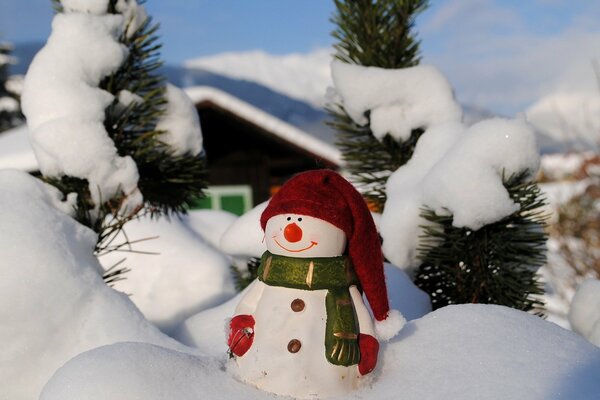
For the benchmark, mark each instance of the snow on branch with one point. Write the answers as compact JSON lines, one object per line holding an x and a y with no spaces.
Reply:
{"x":399,"y":100}
{"x":459,"y":171}
{"x":65,"y":109}
{"x":454,"y":170}
{"x":180,"y":123}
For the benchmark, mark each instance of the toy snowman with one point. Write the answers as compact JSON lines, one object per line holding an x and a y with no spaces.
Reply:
{"x":302,"y":328}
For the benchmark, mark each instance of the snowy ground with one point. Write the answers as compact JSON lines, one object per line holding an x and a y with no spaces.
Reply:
{"x":60,"y":317}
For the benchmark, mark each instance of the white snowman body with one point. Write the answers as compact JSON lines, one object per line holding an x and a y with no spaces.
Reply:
{"x":287,"y":355}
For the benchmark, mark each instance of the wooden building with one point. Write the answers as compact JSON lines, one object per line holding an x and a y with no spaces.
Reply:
{"x":251,"y":153}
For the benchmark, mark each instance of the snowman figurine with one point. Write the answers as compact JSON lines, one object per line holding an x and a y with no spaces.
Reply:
{"x":302,"y":328}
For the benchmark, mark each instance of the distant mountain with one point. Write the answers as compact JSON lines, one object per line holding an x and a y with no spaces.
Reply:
{"x":290,"y":87}
{"x":302,"y":77}
{"x":567,"y":121}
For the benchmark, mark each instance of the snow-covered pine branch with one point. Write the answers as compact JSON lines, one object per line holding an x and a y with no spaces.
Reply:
{"x":456,"y":171}
{"x":103,"y":123}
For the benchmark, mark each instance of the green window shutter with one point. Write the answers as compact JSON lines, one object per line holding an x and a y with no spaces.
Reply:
{"x":202,"y":203}
{"x":233,"y":203}
{"x":236,"y":199}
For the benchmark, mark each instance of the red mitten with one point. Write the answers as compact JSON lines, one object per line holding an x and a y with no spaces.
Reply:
{"x":241,"y":334}
{"x":369,"y":348}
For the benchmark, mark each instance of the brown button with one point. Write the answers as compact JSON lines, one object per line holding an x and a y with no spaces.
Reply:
{"x":297,"y":305}
{"x":294,"y":346}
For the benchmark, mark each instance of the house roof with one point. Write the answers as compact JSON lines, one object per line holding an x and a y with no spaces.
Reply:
{"x":267,"y":122}
{"x":16,"y":151}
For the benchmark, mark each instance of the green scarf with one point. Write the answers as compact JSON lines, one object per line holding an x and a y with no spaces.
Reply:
{"x":336,"y":275}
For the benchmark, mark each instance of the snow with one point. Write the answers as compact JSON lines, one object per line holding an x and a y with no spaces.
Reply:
{"x":210,"y":224}
{"x":584,"y":314}
{"x":399,"y":100}
{"x":65,"y":113}
{"x":14,"y":84}
{"x":266,"y":121}
{"x":8,"y":104}
{"x":301,"y":76}
{"x":6,"y":59}
{"x":135,"y":15}
{"x":571,"y":118}
{"x":180,"y":123}
{"x":55,"y":304}
{"x":245,"y":236}
{"x":467,"y":352}
{"x":55,"y":308}
{"x":455,"y":170}
{"x":174,"y":272}
{"x":143,"y":371}
{"x":15,"y":150}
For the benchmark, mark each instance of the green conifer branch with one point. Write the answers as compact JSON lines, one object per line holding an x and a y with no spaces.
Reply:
{"x":168,"y":182}
{"x":379,"y":34}
{"x":496,"y":264}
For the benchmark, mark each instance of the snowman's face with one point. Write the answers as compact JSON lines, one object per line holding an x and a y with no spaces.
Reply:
{"x":294,"y":235}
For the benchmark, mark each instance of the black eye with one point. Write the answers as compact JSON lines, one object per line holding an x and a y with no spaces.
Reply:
{"x":299,"y":219}
{"x":289,"y":218}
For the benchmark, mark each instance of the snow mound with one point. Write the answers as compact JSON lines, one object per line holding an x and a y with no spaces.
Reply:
{"x":467,"y":352}
{"x":584,"y":314}
{"x":399,"y":100}
{"x":210,"y":224}
{"x":174,"y":274}
{"x":15,"y":150}
{"x":245,"y":237}
{"x":55,"y":304}
{"x":206,"y":330}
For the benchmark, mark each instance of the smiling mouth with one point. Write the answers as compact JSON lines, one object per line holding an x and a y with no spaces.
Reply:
{"x":312,"y":244}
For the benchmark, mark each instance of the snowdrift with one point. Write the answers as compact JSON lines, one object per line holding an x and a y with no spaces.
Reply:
{"x":467,"y":352}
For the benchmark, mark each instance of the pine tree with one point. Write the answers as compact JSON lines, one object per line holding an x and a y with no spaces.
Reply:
{"x":10,"y":110}
{"x":495,"y":264}
{"x":374,"y":33}
{"x":168,"y":182}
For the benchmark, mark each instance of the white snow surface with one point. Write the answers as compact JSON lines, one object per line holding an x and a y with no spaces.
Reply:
{"x":455,"y":170}
{"x":399,"y":100}
{"x":568,"y":117}
{"x":584,"y":314}
{"x":467,"y":352}
{"x":210,"y":224}
{"x":255,"y":116}
{"x":15,"y":150}
{"x":245,"y":236}
{"x":97,"y":7}
{"x":133,"y":13}
{"x":180,"y":123}
{"x":174,"y":274}
{"x":206,"y":330}
{"x":55,"y":304}
{"x":8,"y":104}
{"x":301,"y":76}
{"x":65,"y":108}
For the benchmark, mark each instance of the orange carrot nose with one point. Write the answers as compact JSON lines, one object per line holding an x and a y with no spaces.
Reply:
{"x":292,"y":233}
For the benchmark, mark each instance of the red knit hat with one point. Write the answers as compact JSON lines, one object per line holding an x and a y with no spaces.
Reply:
{"x":325,"y":195}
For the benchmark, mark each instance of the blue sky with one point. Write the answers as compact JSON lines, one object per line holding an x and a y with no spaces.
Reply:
{"x":498,"y":54}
